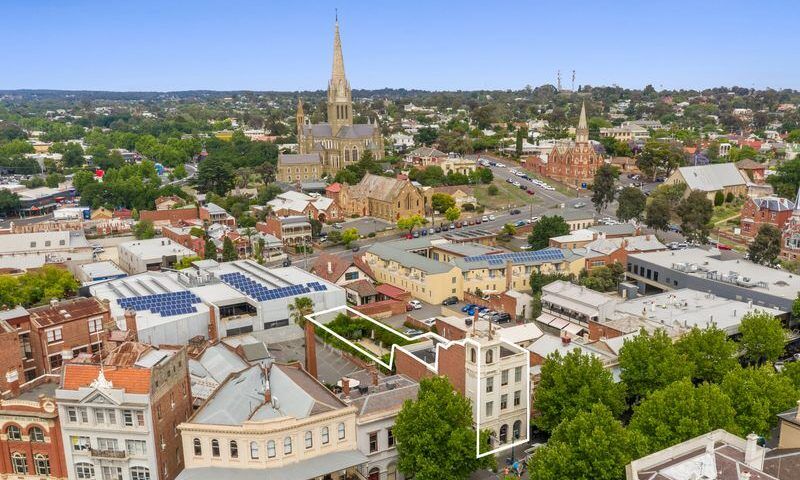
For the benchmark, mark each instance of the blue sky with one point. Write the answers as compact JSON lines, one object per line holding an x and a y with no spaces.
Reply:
{"x":436,"y":45}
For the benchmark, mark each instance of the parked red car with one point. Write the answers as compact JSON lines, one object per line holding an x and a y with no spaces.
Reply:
{"x":723,"y":246}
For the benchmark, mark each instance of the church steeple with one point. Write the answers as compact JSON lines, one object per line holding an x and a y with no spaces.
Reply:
{"x":582,"y":132}
{"x":301,"y":117}
{"x":340,"y":103}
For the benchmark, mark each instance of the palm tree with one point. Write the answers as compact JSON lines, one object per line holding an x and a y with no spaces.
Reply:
{"x":298,"y":310}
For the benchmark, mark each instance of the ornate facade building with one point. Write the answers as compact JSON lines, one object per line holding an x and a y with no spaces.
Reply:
{"x":328,"y":147}
{"x":381,"y":197}
{"x":790,"y":248}
{"x":577,"y":163}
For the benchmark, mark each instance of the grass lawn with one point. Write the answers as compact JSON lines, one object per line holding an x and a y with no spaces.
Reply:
{"x":724,"y":212}
{"x":507,"y":195}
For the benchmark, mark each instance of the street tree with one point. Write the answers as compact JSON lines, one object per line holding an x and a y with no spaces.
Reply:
{"x":603,"y":189}
{"x":658,"y":214}
{"x":545,"y":229}
{"x":349,"y":236}
{"x":411,"y":222}
{"x":710,"y":352}
{"x":632,"y":203}
{"x":681,"y":411}
{"x":215,"y":175}
{"x":592,"y":445}
{"x":695,"y":212}
{"x":9,"y":202}
{"x":435,"y":438}
{"x":649,"y":362}
{"x":761,"y":394}
{"x":766,"y":247}
{"x":763,"y":337}
{"x":442,"y":201}
{"x":605,"y":278}
{"x":571,"y":384}
{"x":452,"y":214}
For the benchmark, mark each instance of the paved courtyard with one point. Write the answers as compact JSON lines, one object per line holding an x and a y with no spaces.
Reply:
{"x":331,"y":366}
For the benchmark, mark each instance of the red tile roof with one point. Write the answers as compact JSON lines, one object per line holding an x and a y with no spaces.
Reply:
{"x":334,"y":187}
{"x":338,"y":265}
{"x":132,"y":380}
{"x":390,"y":290}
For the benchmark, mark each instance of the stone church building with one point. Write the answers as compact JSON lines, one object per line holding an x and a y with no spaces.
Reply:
{"x":326,"y":148}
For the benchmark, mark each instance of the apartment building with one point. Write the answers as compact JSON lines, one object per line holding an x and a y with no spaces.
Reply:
{"x":489,"y":371}
{"x":30,"y":444}
{"x":295,"y":230}
{"x":275,"y":422}
{"x":119,"y":418}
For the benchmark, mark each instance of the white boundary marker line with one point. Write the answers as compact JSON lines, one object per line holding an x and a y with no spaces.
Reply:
{"x":442,"y":343}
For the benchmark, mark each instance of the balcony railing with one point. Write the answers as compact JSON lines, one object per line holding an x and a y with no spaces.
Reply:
{"x":116,"y":454}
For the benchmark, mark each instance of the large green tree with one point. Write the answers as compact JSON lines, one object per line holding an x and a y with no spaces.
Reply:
{"x":632,"y":203}
{"x":435,"y":438}
{"x":592,"y":445}
{"x":660,"y":158}
{"x":442,"y":201}
{"x":711,"y":353}
{"x":681,"y":411}
{"x":9,"y":202}
{"x":411,"y":222}
{"x":763,"y":337}
{"x":229,"y":252}
{"x":603,"y":189}
{"x":695,"y":212}
{"x":759,"y":394}
{"x":545,"y":229}
{"x":144,"y":229}
{"x":215,"y":175}
{"x":604,"y":278}
{"x":649,"y":362}
{"x":766,"y":247}
{"x":658,"y":213}
{"x":571,"y":384}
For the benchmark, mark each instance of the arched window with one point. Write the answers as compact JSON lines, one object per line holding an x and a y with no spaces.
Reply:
{"x":42,"y":464}
{"x":271,"y":449}
{"x":325,"y":435}
{"x":504,"y":434}
{"x":254,"y":450}
{"x":341,"y":431}
{"x":489,"y":356}
{"x":14,"y":433}
{"x":287,"y":445}
{"x":346,"y":155}
{"x":198,"y":449}
{"x":140,"y":473}
{"x":309,"y":439}
{"x":19,"y":463}
{"x":355,"y":154}
{"x":36,"y":434}
{"x":84,"y":470}
{"x":472,"y":355}
{"x":391,"y":472}
{"x":517,"y":429}
{"x":374,"y":473}
{"x":215,"y":448}
{"x":234,"y":449}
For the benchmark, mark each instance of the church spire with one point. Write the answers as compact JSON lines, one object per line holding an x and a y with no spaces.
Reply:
{"x":582,"y":132}
{"x":301,"y":117}
{"x":338,"y":58}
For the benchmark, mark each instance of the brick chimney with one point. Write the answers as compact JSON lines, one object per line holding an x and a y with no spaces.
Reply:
{"x":130,"y":324}
{"x":311,"y":349}
{"x":12,"y":378}
{"x":346,"y":387}
{"x":374,"y":377}
{"x":267,"y":392}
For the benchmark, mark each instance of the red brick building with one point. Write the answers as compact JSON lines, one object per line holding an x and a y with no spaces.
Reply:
{"x":183,"y":236}
{"x":790,"y":244}
{"x":575,"y":165}
{"x":755,"y":212}
{"x":35,"y":342}
{"x":31,"y":445}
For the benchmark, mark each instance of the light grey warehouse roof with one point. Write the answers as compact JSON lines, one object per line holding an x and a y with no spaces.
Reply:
{"x":408,"y":259}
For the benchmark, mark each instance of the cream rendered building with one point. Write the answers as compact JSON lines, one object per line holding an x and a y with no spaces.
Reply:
{"x":331,"y":146}
{"x":276,"y":422}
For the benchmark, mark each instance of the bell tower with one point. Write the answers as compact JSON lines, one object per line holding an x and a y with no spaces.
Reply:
{"x":340,"y":101}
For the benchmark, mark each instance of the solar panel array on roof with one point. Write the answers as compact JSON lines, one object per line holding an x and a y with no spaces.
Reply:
{"x":517,"y":257}
{"x":164,"y":304}
{"x":261,"y":293}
